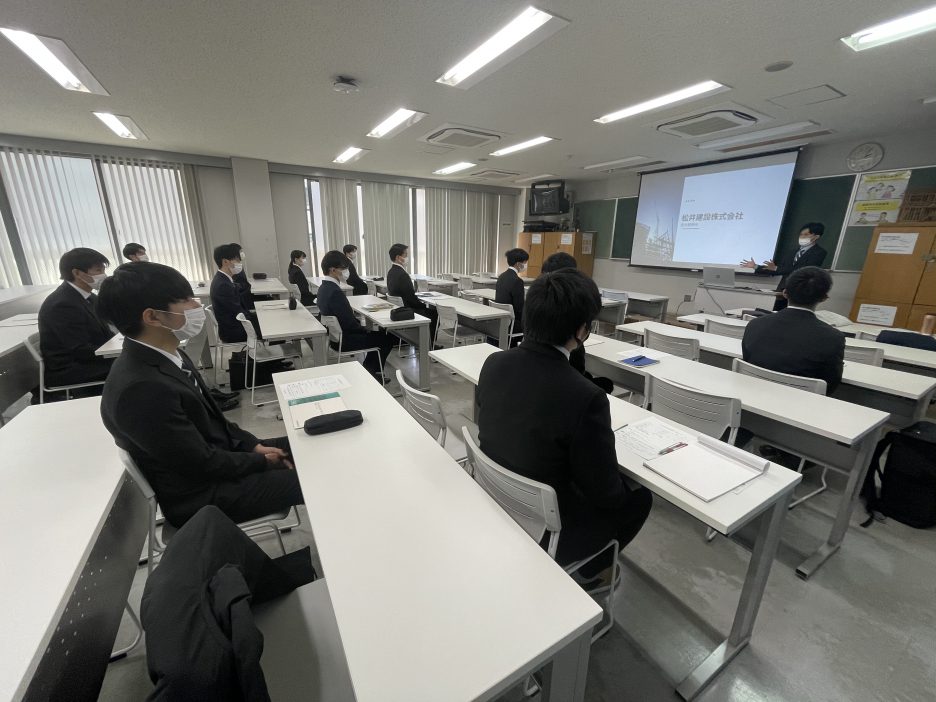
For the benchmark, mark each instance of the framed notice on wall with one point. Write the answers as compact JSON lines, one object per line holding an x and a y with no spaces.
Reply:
{"x":588,"y":239}
{"x":878,"y":198}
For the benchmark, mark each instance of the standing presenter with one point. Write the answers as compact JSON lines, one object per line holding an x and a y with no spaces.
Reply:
{"x":808,"y":254}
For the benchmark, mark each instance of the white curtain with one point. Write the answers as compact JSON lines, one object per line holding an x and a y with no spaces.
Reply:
{"x":151,"y":204}
{"x":445,"y":231}
{"x":57,"y":206}
{"x":387,"y":213}
{"x":339,"y":213}
{"x":481,"y":232}
{"x":9,"y":273}
{"x":506,"y":229}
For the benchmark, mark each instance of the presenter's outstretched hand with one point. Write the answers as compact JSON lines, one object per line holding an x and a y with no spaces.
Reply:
{"x":770,"y":265}
{"x":748,"y":263}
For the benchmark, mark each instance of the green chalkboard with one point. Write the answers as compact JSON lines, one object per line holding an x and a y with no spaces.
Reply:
{"x":815,"y":200}
{"x":624,"y":220}
{"x":597,"y":216}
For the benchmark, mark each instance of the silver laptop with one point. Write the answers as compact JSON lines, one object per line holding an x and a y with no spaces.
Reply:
{"x":718,"y":275}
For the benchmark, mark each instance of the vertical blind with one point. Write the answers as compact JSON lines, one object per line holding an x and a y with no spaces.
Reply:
{"x":151,"y":203}
{"x":9,"y":273}
{"x":339,"y":213}
{"x":445,"y":231}
{"x":481,"y":232}
{"x":387,"y":212}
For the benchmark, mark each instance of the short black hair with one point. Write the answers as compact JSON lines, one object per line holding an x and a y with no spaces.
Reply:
{"x":349,"y":248}
{"x":133,"y":249}
{"x":558,"y":261}
{"x":808,"y":286}
{"x":226,"y":251}
{"x":515,"y":256}
{"x":134,"y":287}
{"x":334,"y":259}
{"x":80,"y":258}
{"x":296,"y":253}
{"x":397,"y":250}
{"x":558,"y":304}
{"x":817,"y":228}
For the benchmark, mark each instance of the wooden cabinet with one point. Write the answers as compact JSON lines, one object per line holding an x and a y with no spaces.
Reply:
{"x":895,"y":278}
{"x":541,"y":245}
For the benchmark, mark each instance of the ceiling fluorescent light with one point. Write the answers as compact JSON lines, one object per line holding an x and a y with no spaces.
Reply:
{"x":352,"y":153}
{"x":55,"y":58}
{"x":619,"y":162}
{"x":528,"y":144}
{"x":900,"y":28}
{"x":782,"y":130}
{"x":506,"y":45}
{"x":121,"y":125}
{"x":454,"y":168}
{"x":397,"y":122}
{"x":706,"y":87}
{"x":541,"y":176}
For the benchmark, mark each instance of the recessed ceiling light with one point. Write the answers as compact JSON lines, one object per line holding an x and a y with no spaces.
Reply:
{"x":541,"y":176}
{"x":528,"y":144}
{"x":121,"y":125}
{"x":499,"y":47}
{"x":454,"y":168}
{"x":900,"y":28}
{"x":620,"y":161}
{"x":397,"y":122}
{"x":352,"y":153}
{"x":706,"y":87}
{"x":782,"y":130}
{"x":55,"y":58}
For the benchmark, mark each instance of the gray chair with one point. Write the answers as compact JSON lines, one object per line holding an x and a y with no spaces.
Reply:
{"x":214,"y":339}
{"x":259,"y":352}
{"x":371,"y":287}
{"x":448,"y":329}
{"x":535,"y":507}
{"x":732,"y":329}
{"x":427,"y":410}
{"x":675,"y":345}
{"x":870,"y":355}
{"x":32,"y":345}
{"x":465,"y":295}
{"x":336,"y":336}
{"x":511,"y":334}
{"x":294,"y":289}
{"x":711,"y":415}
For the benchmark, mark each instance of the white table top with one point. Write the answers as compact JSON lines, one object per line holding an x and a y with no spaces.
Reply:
{"x":112,"y":347}
{"x":724,"y":514}
{"x":466,"y":308}
{"x":452,"y":564}
{"x":317,"y":282}
{"x":277,"y":321}
{"x":269,"y":286}
{"x":14,"y":331}
{"x":53,"y":504}
{"x":643,"y":297}
{"x":491,"y":294}
{"x":18,"y":292}
{"x":884,"y":380}
{"x":382,"y":317}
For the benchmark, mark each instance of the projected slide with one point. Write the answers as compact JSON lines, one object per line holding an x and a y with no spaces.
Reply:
{"x":712,"y":215}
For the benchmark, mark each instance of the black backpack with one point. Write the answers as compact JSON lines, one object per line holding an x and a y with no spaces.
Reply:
{"x":908,"y":479}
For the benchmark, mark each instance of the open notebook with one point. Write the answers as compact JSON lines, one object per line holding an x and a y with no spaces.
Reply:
{"x":313,"y":397}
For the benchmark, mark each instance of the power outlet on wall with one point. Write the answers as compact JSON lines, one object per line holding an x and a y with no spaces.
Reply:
{"x":687,"y":298}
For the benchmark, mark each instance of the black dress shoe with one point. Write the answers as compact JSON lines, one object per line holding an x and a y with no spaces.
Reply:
{"x":229,"y":404}
{"x":220,"y":395}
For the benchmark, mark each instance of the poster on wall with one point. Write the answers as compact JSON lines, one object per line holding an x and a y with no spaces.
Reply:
{"x":536,"y":239}
{"x":882,"y":315}
{"x":878,"y":198}
{"x":587,"y":242}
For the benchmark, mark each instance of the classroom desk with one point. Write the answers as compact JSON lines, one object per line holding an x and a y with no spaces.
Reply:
{"x":19,"y":373}
{"x":414,"y":331}
{"x":196,"y":348}
{"x":279,"y":323}
{"x":22,"y":299}
{"x":766,"y":499}
{"x":482,"y":318}
{"x":268,"y":286}
{"x":825,"y":430}
{"x":613,"y":311}
{"x":316,"y":282}
{"x":644,"y":304}
{"x":424,"y":283}
{"x":72,"y":528}
{"x":468,"y":604}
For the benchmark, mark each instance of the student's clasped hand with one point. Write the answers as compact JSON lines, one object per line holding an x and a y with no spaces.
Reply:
{"x":274,"y":455}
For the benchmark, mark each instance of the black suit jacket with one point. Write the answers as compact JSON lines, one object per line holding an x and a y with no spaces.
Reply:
{"x":242,"y":284}
{"x":558,"y":432}
{"x":795,"y":341}
{"x":354,"y":280}
{"x":332,"y":302}
{"x":298,"y":278}
{"x":227,"y":303}
{"x":399,"y":284}
{"x":509,"y":290}
{"x":70,"y":331}
{"x":177,"y":435}
{"x":814,"y":256}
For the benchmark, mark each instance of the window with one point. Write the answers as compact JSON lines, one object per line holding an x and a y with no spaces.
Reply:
{"x":314,"y":217}
{"x":420,"y":231}
{"x":9,"y":273}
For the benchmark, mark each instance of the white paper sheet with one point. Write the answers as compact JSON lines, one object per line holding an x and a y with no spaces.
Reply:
{"x":882,"y":315}
{"x":896,"y":242}
{"x":313,"y":386}
{"x":649,"y":436}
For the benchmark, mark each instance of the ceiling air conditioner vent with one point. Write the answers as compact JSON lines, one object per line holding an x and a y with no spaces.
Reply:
{"x":459,"y":137}
{"x":492,"y":174}
{"x":635,"y":167}
{"x":708,"y":123}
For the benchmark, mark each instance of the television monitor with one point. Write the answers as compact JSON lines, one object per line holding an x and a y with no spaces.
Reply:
{"x":548,"y":198}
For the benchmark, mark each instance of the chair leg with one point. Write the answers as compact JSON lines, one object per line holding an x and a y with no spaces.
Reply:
{"x":822,"y":488}
{"x":710,"y":534}
{"x":122,"y":652}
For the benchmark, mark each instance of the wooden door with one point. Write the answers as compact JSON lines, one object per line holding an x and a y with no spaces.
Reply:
{"x":895,"y":277}
{"x":532,"y":243}
{"x":917,"y":312}
{"x":926,"y":292}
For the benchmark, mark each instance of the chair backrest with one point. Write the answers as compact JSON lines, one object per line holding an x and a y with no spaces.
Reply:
{"x":213,"y":338}
{"x":32,"y":345}
{"x":425,"y":409}
{"x":507,"y":307}
{"x":619,"y":295}
{"x":870,"y":355}
{"x":732,"y":329}
{"x":448,"y":318}
{"x":445,"y":276}
{"x":334,"y":329}
{"x":532,"y":505}
{"x":248,"y":327}
{"x":395,"y":300}
{"x":136,"y":475}
{"x":816,"y":385}
{"x":294,"y":289}
{"x":371,"y":287}
{"x":465,"y":283}
{"x":676,"y":345}
{"x":710,"y":414}
{"x":466,"y":295}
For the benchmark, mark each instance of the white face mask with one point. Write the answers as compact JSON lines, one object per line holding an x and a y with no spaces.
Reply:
{"x":805,"y":241}
{"x":404,"y":261}
{"x":237,"y":268}
{"x":351,"y":256}
{"x":302,"y":263}
{"x":142,"y":257}
{"x":96,"y":280}
{"x":194,"y":321}
{"x":345,"y":274}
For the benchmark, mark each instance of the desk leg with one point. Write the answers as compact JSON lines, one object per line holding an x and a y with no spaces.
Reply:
{"x":663,"y":308}
{"x":320,"y":350}
{"x":424,"y":357}
{"x":752,"y":592}
{"x":846,"y":506}
{"x":503,"y":326}
{"x":564,"y":678}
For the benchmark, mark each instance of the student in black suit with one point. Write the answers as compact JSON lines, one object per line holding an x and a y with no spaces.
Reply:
{"x":135,"y":252}
{"x":399,"y":284}
{"x":808,"y":254}
{"x":242,"y":283}
{"x":509,"y":289}
{"x":794,"y":340}
{"x":555,"y":262}
{"x":354,"y":280}
{"x":297,"y":276}
{"x":157,"y":407}
{"x":559,"y":431}
{"x":332,"y":302}
{"x":226,"y":301}
{"x":70,"y":330}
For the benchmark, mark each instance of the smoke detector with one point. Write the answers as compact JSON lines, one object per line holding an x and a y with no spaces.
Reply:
{"x":345,"y":85}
